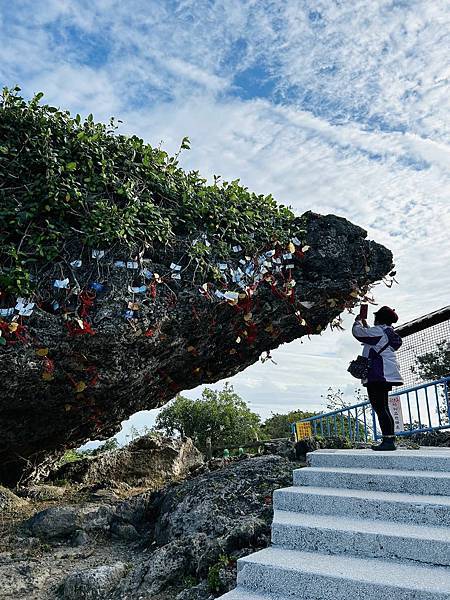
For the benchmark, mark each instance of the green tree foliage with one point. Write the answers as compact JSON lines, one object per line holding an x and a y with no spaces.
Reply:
{"x":279,"y":425}
{"x":65,"y":178}
{"x":221,"y":415}
{"x":434,"y":365}
{"x":74,"y":454}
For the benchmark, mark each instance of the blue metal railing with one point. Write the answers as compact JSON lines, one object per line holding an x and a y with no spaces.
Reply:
{"x":424,"y":411}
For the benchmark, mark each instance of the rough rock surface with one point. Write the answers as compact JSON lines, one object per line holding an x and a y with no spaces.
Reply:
{"x":93,"y":584}
{"x":195,"y":525}
{"x":148,"y":460}
{"x":432,"y":438}
{"x":180,"y":340}
{"x":181,"y":542}
{"x":61,"y":522}
{"x":43,"y":492}
{"x":8,"y":500}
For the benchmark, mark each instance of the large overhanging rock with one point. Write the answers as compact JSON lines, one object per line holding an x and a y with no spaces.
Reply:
{"x":124,"y":279}
{"x":181,"y":339}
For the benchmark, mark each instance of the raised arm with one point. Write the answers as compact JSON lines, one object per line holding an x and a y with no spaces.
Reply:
{"x":366,"y":335}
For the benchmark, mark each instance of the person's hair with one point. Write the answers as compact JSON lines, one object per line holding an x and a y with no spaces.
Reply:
{"x":386,"y":316}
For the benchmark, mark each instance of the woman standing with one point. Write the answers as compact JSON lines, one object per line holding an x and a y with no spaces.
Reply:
{"x":380,"y":343}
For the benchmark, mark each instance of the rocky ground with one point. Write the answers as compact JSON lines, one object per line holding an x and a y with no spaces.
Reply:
{"x":108,"y":540}
{"x":104,"y":529}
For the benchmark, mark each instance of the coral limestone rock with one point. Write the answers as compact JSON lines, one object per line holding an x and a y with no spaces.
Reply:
{"x":124,"y":280}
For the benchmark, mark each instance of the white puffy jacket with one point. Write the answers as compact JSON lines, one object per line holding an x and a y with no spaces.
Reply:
{"x":384,"y":366}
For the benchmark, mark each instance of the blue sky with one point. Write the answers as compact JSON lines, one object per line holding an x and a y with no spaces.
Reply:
{"x":332,"y":106}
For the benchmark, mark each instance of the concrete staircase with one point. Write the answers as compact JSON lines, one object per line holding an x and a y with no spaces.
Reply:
{"x":357,"y":524}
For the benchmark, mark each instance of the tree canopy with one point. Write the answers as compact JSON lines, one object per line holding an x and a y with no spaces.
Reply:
{"x":434,"y":365}
{"x":279,"y":425}
{"x":221,"y":415}
{"x":64,"y":178}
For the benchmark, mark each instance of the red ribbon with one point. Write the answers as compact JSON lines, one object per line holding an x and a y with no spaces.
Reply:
{"x":87,"y":301}
{"x":75,"y":329}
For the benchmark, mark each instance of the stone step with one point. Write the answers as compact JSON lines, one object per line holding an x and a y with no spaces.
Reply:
{"x":387,"y":480}
{"x":361,"y":537}
{"x":240,"y":593}
{"x":436,"y":459}
{"x":313,"y":576}
{"x":416,"y":509}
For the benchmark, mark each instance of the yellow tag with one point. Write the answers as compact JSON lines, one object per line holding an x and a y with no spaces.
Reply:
{"x":13,"y":326}
{"x":46,"y":376}
{"x":42,"y":351}
{"x":291,"y":247}
{"x":80,"y":387}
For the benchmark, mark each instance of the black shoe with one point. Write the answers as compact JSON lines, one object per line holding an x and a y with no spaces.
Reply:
{"x":387,"y":444}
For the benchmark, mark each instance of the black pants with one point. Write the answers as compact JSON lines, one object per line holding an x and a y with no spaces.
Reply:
{"x":378,"y":396}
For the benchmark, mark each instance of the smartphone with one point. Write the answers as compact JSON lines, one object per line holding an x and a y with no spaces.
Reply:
{"x":363,"y":311}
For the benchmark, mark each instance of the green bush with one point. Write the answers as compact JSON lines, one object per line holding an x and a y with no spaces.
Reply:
{"x":215,"y":583}
{"x":71,"y":183}
{"x":73,"y":455}
{"x":279,"y":425}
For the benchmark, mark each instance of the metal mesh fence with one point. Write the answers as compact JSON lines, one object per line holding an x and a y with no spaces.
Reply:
{"x":420,"y":337}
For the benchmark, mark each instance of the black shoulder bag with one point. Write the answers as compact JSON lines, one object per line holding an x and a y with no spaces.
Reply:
{"x":359,"y":368}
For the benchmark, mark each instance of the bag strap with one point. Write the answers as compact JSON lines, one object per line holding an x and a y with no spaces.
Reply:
{"x":383,"y":348}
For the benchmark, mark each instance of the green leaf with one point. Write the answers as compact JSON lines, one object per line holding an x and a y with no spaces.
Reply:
{"x":71,"y":166}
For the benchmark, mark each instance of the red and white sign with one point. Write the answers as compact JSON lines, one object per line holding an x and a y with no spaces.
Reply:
{"x":395,"y":408}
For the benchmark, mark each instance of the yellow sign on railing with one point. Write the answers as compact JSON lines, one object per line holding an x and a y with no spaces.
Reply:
{"x":302,"y":430}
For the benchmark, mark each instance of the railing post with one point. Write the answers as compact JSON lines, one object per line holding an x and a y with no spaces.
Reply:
{"x":446,"y":399}
{"x":374,"y":422}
